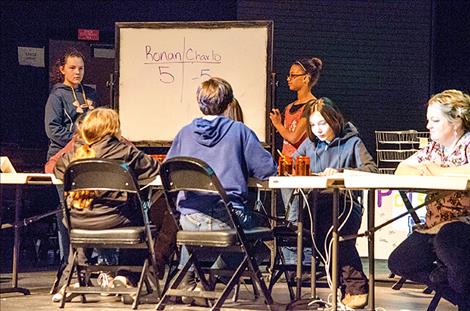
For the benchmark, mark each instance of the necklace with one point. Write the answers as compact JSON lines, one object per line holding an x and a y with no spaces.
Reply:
{"x":88,"y":104}
{"x":451,"y":148}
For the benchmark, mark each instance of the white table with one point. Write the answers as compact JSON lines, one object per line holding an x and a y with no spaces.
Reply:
{"x":372,"y":182}
{"x":252,"y":183}
{"x":19,"y":180}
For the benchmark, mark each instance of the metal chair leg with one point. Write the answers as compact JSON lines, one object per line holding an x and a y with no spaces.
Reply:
{"x":58,"y":277}
{"x":398,"y":284}
{"x":434,"y":302}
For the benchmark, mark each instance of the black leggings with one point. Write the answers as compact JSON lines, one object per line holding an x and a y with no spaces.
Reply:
{"x":414,"y":259}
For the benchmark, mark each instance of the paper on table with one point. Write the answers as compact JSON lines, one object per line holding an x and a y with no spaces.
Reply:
{"x":6,"y":166}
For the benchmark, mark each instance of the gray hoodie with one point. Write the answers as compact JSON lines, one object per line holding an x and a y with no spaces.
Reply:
{"x":60,"y":114}
{"x":347,"y":151}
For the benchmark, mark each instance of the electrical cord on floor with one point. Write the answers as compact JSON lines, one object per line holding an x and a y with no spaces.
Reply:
{"x":339,"y":305}
{"x":328,"y":245}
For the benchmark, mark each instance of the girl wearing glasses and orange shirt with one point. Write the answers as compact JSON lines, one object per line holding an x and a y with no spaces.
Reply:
{"x":303,"y":76}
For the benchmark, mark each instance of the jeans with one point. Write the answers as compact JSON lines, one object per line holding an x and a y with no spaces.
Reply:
{"x":63,"y":233}
{"x":415,"y":258}
{"x":217,"y":220}
{"x":292,"y":213}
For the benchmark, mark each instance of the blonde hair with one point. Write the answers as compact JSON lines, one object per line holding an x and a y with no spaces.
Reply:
{"x":454,"y":105}
{"x":234,"y":111}
{"x":214,"y":95}
{"x":97,"y":124}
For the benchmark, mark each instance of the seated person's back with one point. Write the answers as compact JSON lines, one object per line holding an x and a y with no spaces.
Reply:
{"x":229,"y":147}
{"x":99,"y":138}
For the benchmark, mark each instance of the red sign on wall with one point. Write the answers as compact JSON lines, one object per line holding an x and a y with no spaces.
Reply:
{"x":89,"y":34}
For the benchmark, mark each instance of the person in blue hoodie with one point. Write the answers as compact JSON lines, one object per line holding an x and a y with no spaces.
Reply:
{"x":234,"y":153}
{"x":332,"y":146}
{"x":67,"y":100}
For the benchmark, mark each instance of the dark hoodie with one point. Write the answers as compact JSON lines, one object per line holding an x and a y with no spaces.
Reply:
{"x":347,"y":151}
{"x":60,"y":114}
{"x":234,"y":153}
{"x":111,"y":209}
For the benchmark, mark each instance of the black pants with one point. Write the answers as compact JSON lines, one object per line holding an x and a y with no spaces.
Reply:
{"x":127,"y":257}
{"x":414,"y":259}
{"x":352,"y":278}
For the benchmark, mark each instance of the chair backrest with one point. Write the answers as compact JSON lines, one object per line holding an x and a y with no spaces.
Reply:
{"x":192,"y":174}
{"x":100,"y":175}
{"x":103,"y":175}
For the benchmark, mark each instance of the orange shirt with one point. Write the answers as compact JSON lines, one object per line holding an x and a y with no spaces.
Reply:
{"x":290,"y":123}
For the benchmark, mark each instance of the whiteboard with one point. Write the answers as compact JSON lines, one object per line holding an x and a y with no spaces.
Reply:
{"x":160,"y":65}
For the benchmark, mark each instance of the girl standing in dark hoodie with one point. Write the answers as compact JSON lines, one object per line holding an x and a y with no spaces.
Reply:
{"x":332,"y":146}
{"x":67,"y":100}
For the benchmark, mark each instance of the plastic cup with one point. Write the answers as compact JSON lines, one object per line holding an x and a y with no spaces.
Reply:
{"x":302,"y":166}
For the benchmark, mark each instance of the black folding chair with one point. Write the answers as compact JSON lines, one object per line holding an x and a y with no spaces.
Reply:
{"x":191,"y":174}
{"x":115,"y":176}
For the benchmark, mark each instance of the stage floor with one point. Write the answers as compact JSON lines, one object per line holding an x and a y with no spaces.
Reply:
{"x":408,"y":298}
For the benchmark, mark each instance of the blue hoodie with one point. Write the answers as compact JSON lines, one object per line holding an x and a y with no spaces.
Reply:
{"x":60,"y":115}
{"x":234,"y":153}
{"x":347,"y":151}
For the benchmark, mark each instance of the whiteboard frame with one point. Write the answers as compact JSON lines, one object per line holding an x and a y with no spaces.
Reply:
{"x":268,"y":24}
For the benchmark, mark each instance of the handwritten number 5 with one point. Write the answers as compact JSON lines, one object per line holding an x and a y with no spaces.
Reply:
{"x":165,"y":76}
{"x":205,"y":72}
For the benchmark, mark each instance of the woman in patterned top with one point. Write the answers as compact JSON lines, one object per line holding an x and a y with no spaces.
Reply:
{"x":438,"y":252}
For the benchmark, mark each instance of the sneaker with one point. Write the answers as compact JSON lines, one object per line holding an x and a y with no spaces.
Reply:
{"x":188,"y":284}
{"x":120,"y":282}
{"x":105,"y":280}
{"x":197,"y":301}
{"x":355,"y":301}
{"x":185,"y":299}
{"x":58,"y":296}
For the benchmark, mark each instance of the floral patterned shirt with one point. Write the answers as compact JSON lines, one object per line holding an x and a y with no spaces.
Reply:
{"x":455,"y":206}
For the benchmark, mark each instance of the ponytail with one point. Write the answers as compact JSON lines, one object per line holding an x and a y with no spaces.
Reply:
{"x":96,"y":125}
{"x":84,"y":152}
{"x":82,"y":199}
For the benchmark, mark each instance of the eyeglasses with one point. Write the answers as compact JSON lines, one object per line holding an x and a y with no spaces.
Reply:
{"x":293,"y":75}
